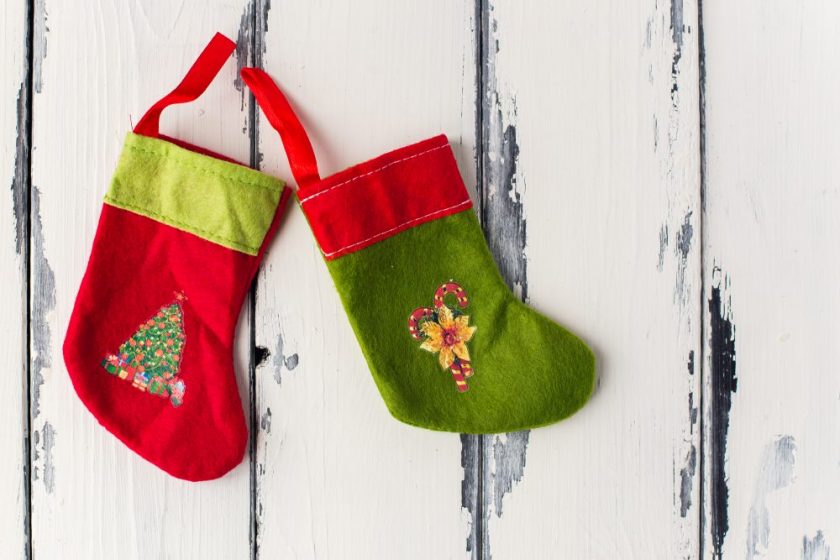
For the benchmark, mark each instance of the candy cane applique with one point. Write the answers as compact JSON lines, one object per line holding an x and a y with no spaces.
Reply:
{"x":446,"y":331}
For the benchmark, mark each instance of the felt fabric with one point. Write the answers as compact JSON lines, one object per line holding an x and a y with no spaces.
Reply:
{"x":449,"y":346}
{"x":527,"y":370}
{"x":137,"y":266}
{"x":149,"y":347}
{"x":357,"y":207}
{"x":231,"y":205}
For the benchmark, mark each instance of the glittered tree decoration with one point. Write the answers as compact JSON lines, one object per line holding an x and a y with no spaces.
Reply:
{"x":151,"y":358}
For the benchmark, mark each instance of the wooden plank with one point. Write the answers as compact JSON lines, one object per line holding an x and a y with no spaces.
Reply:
{"x":105,"y":65}
{"x":772,"y":201}
{"x":591,"y":124}
{"x":14,"y":205}
{"x":336,"y":475}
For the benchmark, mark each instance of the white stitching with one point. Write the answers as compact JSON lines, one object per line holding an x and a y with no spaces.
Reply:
{"x":317,"y":194}
{"x":387,"y":231}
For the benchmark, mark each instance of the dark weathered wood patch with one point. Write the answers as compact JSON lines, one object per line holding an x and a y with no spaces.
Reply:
{"x":494,"y":462}
{"x":723,"y":383}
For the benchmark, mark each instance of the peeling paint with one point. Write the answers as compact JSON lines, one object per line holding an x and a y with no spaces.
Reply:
{"x":281,"y":361}
{"x":261,"y":354}
{"x":663,"y":246}
{"x":815,"y":549}
{"x":724,"y":383}
{"x":501,"y":187}
{"x":471,"y":463}
{"x":265,"y":421}
{"x":503,"y":213}
{"x":249,"y":41}
{"x":655,"y":128}
{"x":777,"y":465}
{"x":21,"y":170}
{"x":693,"y":411}
{"x":42,"y":454}
{"x":39,"y":43}
{"x":244,"y":44}
{"x":36,"y":455}
{"x":682,"y":248}
{"x":43,"y":302}
{"x":47,"y":444}
{"x":687,"y":481}
{"x":509,"y":453}
{"x":688,"y":472}
{"x":677,"y":29}
{"x":684,"y":236}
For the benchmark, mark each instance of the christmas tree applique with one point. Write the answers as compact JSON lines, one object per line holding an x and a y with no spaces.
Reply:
{"x":151,"y":358}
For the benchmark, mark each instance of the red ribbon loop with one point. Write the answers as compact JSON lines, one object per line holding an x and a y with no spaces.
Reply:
{"x":198,"y":77}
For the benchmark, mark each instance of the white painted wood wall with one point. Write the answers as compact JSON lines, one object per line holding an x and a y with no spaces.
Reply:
{"x":661,"y":177}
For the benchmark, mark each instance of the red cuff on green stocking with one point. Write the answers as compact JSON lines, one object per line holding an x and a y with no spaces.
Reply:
{"x":449,"y":346}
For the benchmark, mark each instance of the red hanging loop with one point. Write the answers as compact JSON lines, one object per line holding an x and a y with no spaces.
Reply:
{"x":282,"y":118}
{"x":198,"y":77}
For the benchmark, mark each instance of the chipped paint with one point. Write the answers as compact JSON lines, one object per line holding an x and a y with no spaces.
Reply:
{"x":261,"y":354}
{"x":701,"y":55}
{"x":682,"y":248}
{"x":815,"y":549}
{"x":470,"y":490}
{"x":688,"y":471}
{"x":250,"y":44}
{"x":778,"y":460}
{"x":684,"y":236}
{"x":723,"y":384}
{"x":503,"y":217}
{"x":20,"y":179}
{"x":265,"y":421}
{"x":663,"y":246}
{"x":47,"y":444}
{"x":39,"y":42}
{"x":43,"y":302}
{"x":280,"y":361}
{"x":500,"y":185}
{"x":509,"y":452}
{"x":43,"y":465}
{"x":496,"y":462}
{"x":693,"y":411}
{"x":687,"y":481}
{"x":677,"y":29}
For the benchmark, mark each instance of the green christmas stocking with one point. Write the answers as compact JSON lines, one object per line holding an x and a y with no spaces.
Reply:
{"x":449,"y":346}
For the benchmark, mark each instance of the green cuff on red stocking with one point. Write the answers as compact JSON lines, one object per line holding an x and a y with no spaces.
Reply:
{"x":149,"y":347}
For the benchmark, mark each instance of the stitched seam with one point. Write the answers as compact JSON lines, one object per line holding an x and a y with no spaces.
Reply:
{"x":387,"y":231}
{"x":187,"y":227}
{"x":203,"y":170}
{"x":377,"y":170}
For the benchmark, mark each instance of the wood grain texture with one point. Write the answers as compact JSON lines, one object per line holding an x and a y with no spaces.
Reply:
{"x":657,"y":176}
{"x":336,"y":475}
{"x":597,"y":118}
{"x":14,"y":204}
{"x":772,"y":200}
{"x":105,"y":64}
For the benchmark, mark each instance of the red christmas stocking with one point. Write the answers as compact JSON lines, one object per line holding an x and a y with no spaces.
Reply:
{"x":149,"y":348}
